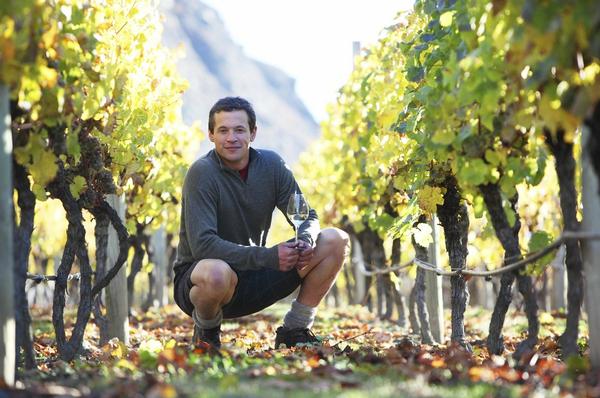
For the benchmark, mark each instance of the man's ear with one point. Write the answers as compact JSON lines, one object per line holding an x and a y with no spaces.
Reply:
{"x":211,"y":136}
{"x":253,"y":134}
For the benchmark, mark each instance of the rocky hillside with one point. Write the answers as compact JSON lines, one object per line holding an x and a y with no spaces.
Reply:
{"x":215,"y":67}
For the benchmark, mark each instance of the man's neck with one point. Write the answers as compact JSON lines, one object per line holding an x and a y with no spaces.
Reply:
{"x":244,"y":172}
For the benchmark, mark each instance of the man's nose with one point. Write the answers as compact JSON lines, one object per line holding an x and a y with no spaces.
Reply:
{"x":231,"y":136}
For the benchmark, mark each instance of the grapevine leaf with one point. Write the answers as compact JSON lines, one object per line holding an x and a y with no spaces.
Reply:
{"x":73,"y":147}
{"x":415,"y":74}
{"x":430,"y":198}
{"x":540,"y":240}
{"x":443,"y":137}
{"x":44,"y":168}
{"x":422,"y":234}
{"x":446,"y":18}
{"x":77,"y":186}
{"x":474,"y":171}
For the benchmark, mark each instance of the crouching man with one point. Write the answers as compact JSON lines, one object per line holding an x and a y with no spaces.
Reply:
{"x":223,"y":269}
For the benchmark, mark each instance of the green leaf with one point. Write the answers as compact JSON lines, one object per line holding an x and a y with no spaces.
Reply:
{"x":478,"y":206}
{"x":540,"y":240}
{"x":510,"y":215}
{"x":466,"y":131}
{"x":73,"y":147}
{"x":77,"y":186}
{"x":443,"y":137}
{"x":492,"y":157}
{"x":90,"y":107}
{"x":39,"y":192}
{"x":405,"y":220}
{"x":474,"y":171}
{"x":415,"y":74}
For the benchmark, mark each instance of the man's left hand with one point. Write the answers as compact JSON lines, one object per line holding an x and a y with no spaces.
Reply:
{"x":305,"y":254}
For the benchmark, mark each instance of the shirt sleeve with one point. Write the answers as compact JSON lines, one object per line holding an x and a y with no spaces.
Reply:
{"x":310,"y":228}
{"x":200,"y":206}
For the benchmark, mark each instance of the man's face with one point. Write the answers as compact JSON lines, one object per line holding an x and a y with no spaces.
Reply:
{"x":232,"y":137}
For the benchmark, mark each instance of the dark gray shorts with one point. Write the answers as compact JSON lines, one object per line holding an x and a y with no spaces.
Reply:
{"x":255,"y":290}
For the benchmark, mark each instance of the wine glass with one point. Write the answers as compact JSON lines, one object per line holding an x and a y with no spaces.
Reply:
{"x":297,"y":211}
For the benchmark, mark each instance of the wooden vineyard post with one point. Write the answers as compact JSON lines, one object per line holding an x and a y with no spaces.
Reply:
{"x":7,"y":308}
{"x":117,"y":307}
{"x":433,"y":287}
{"x":559,"y":280}
{"x":358,"y":259}
{"x":158,"y":241}
{"x":591,"y":248}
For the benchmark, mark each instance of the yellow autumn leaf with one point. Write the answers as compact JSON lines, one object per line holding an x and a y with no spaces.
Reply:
{"x":119,"y":350}
{"x":44,"y":168}
{"x":48,"y":76}
{"x":49,"y":36}
{"x":125,"y":364}
{"x":429,"y":198}
{"x":446,"y":18}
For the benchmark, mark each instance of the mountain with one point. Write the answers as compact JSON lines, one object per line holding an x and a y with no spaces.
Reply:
{"x":216,"y":67}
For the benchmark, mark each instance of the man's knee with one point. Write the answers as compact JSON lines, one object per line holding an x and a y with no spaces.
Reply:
{"x":335,"y":243}
{"x":213,"y":276}
{"x":334,"y":238}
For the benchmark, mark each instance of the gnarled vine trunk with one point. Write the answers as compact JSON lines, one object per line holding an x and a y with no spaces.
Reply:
{"x":593,"y":143}
{"x":509,"y":238}
{"x":75,"y":247}
{"x":455,"y":221}
{"x":374,"y":255}
{"x":418,"y":300}
{"x":22,"y":247}
{"x":418,"y":297}
{"x":398,"y":298}
{"x":137,"y":241}
{"x":565,"y":170}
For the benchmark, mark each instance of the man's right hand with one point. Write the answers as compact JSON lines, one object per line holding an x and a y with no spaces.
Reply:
{"x":288,"y":256}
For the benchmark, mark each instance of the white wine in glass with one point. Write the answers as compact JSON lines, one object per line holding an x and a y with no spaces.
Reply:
{"x":297,"y":211}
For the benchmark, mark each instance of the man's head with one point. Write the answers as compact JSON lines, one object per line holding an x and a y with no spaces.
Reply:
{"x":229,"y":104}
{"x":232,"y":127}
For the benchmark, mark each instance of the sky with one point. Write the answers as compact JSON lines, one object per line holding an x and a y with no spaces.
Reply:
{"x":310,"y":40}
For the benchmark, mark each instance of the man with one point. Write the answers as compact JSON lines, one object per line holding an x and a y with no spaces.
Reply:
{"x":223,"y":269}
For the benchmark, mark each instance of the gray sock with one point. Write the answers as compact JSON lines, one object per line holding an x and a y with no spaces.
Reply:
{"x":207,"y":323}
{"x":299,"y":316}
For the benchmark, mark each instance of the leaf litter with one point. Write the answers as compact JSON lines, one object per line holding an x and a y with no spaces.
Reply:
{"x":359,"y":355}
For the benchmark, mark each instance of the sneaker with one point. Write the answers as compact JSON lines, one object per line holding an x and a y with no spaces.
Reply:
{"x":211,"y":337}
{"x":293,"y":337}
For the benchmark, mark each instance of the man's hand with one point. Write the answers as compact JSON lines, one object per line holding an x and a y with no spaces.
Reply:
{"x":305,"y":252}
{"x":288,"y":256}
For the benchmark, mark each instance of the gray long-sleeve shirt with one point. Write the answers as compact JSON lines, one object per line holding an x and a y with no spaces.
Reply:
{"x":224,"y":217}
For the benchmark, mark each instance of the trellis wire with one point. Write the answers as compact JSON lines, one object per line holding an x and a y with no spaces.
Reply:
{"x":38,"y":278}
{"x":529,"y":258}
